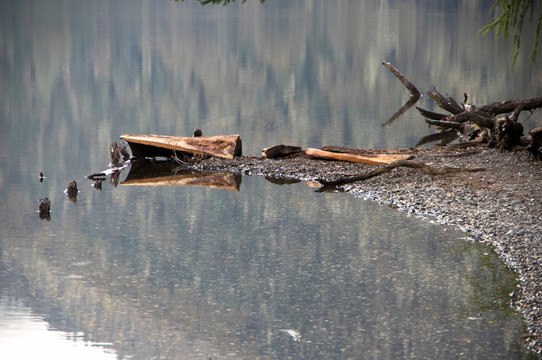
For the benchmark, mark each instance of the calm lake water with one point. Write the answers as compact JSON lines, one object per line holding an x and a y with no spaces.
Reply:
{"x":136,"y":271}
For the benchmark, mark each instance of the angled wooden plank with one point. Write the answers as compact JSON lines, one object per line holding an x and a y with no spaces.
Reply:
{"x":404,"y":154}
{"x":376,"y":159}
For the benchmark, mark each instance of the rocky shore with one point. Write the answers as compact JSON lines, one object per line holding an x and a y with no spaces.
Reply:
{"x":500,"y":206}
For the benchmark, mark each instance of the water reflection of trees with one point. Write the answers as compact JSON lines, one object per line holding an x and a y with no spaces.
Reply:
{"x":173,"y":281}
{"x":279,"y":84}
{"x":509,"y":18}
{"x":74,"y":86}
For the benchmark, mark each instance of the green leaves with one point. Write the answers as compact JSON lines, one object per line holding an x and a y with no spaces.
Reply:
{"x":510,"y":20}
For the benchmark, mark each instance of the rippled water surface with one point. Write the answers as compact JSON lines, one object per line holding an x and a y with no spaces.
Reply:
{"x":151,"y":268}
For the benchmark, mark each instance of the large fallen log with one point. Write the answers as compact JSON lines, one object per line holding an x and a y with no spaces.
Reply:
{"x":223,"y":146}
{"x":373,"y":159}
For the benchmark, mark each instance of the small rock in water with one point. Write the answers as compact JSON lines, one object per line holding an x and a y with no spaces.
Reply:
{"x":98,"y":184}
{"x":44,"y":208}
{"x":294,"y":334}
{"x":72,"y":188}
{"x":72,"y":191}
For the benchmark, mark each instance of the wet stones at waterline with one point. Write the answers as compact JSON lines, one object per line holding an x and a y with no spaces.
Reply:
{"x":44,"y":209}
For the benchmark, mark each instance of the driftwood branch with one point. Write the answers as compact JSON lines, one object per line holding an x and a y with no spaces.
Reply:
{"x":481,"y":123}
{"x":431,"y":114}
{"x":398,"y":163}
{"x":446,"y":102}
{"x":446,"y":124}
{"x":413,"y":90}
{"x":508,"y":106}
{"x":475,"y":123}
{"x":414,"y":93}
{"x":465,"y":116}
{"x":485,"y":111}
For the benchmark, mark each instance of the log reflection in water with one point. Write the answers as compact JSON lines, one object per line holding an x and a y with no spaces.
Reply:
{"x":152,"y":173}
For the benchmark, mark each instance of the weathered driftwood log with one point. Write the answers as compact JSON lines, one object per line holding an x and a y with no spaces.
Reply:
{"x":223,"y":146}
{"x":504,"y":132}
{"x":276,"y":151}
{"x":469,"y":131}
{"x":508,"y":106}
{"x":389,"y":167}
{"x":481,"y":123}
{"x":375,"y":159}
{"x":508,"y":130}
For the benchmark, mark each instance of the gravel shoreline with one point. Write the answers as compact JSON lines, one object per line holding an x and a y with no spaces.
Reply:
{"x":501,"y":206}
